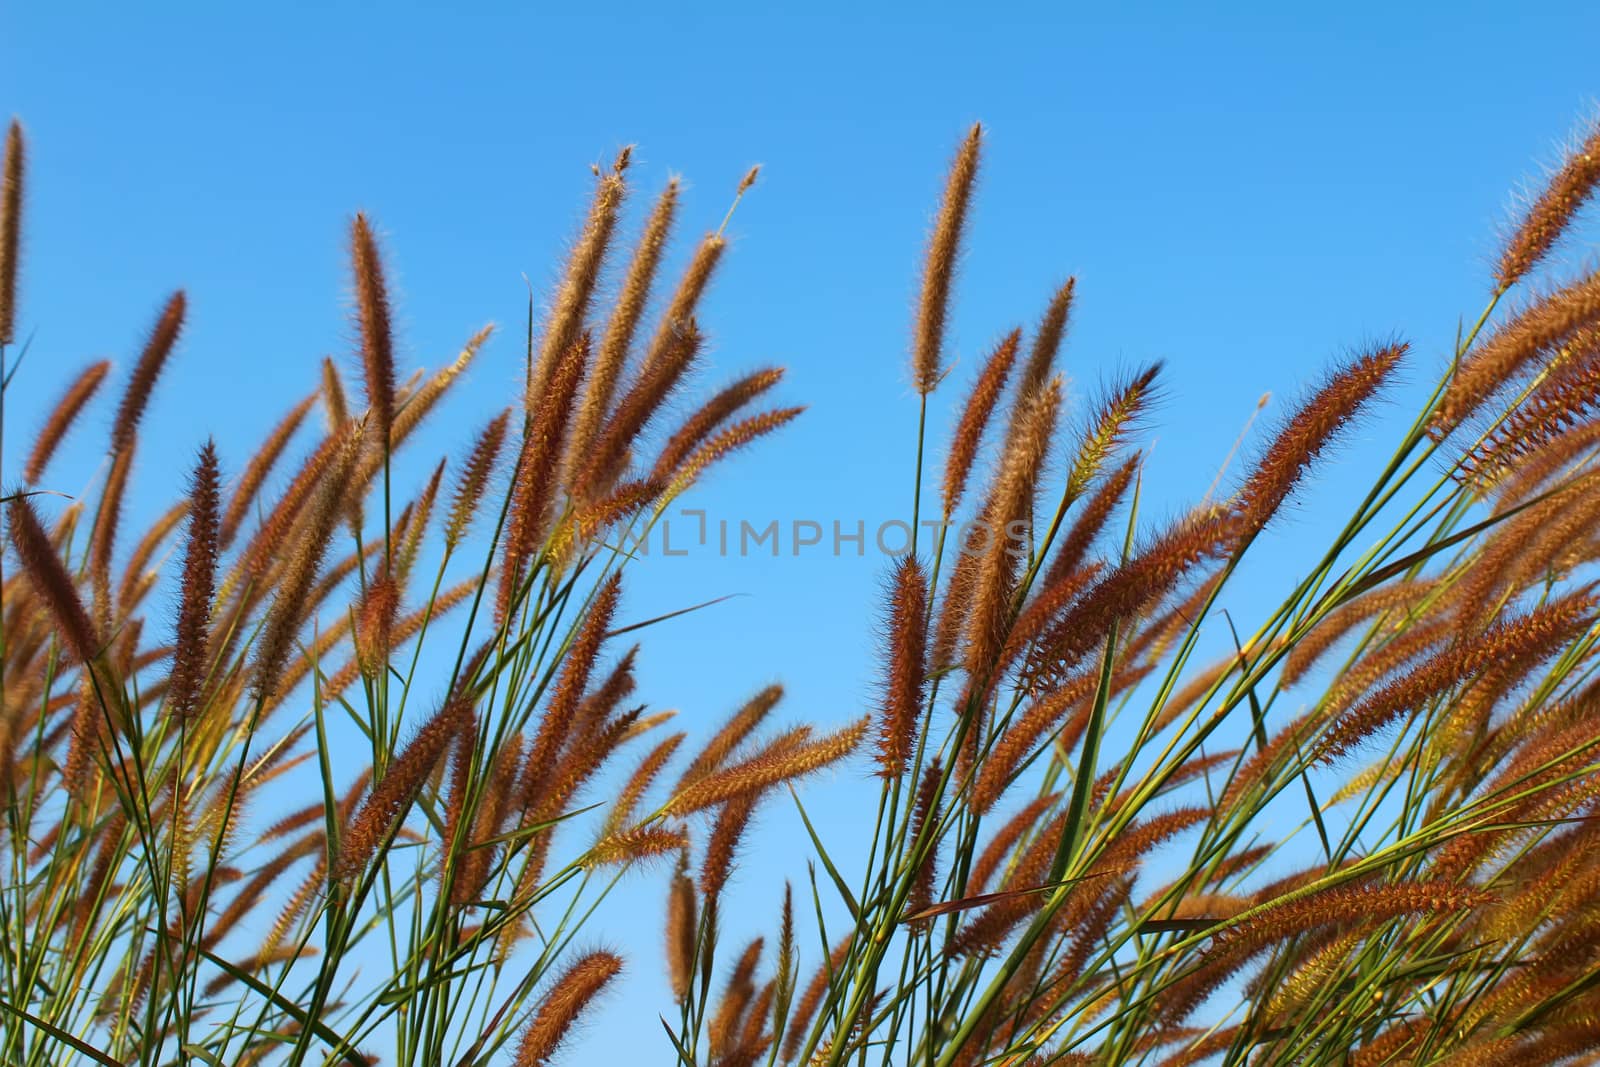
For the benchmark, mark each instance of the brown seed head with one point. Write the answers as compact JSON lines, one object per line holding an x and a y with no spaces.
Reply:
{"x":570,"y":307}
{"x":939,"y":265}
{"x":11,"y":176}
{"x":619,"y":332}
{"x":906,"y":672}
{"x":573,"y":992}
{"x":975,"y":418}
{"x":162,"y":338}
{"x":1311,"y":429}
{"x":1552,"y":210}
{"x":372,"y":317}
{"x":50,"y":578}
{"x":191,"y":638}
{"x":61,"y":419}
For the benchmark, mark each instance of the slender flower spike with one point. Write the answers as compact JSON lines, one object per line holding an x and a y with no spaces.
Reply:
{"x":940,"y":265}
{"x":574,"y":991}
{"x":11,"y":173}
{"x":975,"y":418}
{"x":140,"y":384}
{"x":1552,"y":210}
{"x":906,"y":680}
{"x":372,"y":315}
{"x":1311,"y":429}
{"x":66,"y":411}
{"x":192,"y":637}
{"x":49,"y":576}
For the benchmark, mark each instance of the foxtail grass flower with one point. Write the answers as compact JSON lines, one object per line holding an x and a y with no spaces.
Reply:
{"x":61,"y":419}
{"x":474,"y":479}
{"x":683,"y":920}
{"x":50,"y":578}
{"x":1524,"y":342}
{"x":939,"y":265}
{"x":766,"y":769}
{"x":191,"y":637}
{"x":562,"y":1004}
{"x":570,"y":307}
{"x":1311,"y":429}
{"x":617,"y":338}
{"x":393,"y":794}
{"x":726,"y":741}
{"x":11,"y":180}
{"x":906,"y":676}
{"x":1549,"y":214}
{"x":372,"y":318}
{"x":163,"y":336}
{"x":711,"y":415}
{"x":975,"y":417}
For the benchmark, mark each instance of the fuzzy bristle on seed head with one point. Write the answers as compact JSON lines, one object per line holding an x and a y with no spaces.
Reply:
{"x":570,"y":307}
{"x":975,"y":417}
{"x":939,"y":265}
{"x":1312,"y":428}
{"x":776,"y":764}
{"x":375,"y":821}
{"x":737,"y":436}
{"x":475,"y":474}
{"x":711,"y":415}
{"x":373,"y":319}
{"x":906,"y":676}
{"x":191,"y":639}
{"x":562,"y":1004}
{"x":163,"y":336}
{"x":62,"y":417}
{"x":683,"y":918}
{"x":50,"y":577}
{"x":1529,"y":339}
{"x":620,"y":328}
{"x":1549,"y":214}
{"x":11,"y":179}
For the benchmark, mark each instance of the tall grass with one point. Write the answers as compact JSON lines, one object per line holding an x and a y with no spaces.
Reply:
{"x":1363,"y":835}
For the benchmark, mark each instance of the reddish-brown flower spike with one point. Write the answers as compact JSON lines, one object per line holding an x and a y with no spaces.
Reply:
{"x":372,"y":316}
{"x":1311,"y":429}
{"x":906,"y":676}
{"x":975,"y":418}
{"x":191,"y":638}
{"x":475,"y":478}
{"x":261,"y":463}
{"x":778,"y":763}
{"x":571,"y":304}
{"x":49,"y":576}
{"x":392,"y":797}
{"x":712,"y":414}
{"x":1073,"y":549}
{"x":10,"y":230}
{"x":925,"y":820}
{"x":1549,"y":214}
{"x":1047,"y":340}
{"x":61,"y":419}
{"x":723,"y":743}
{"x":735,"y":437}
{"x":574,"y":991}
{"x":140,"y":384}
{"x":939,"y":266}
{"x":1511,"y":645}
{"x":683,"y":919}
{"x":623,"y":323}
{"x":578,"y":664}
{"x":1533,"y":335}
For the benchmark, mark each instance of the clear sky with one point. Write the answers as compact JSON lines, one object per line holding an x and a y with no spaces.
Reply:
{"x":1245,"y":191}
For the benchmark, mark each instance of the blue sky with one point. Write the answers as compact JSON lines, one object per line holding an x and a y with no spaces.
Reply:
{"x":1245,"y":192}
